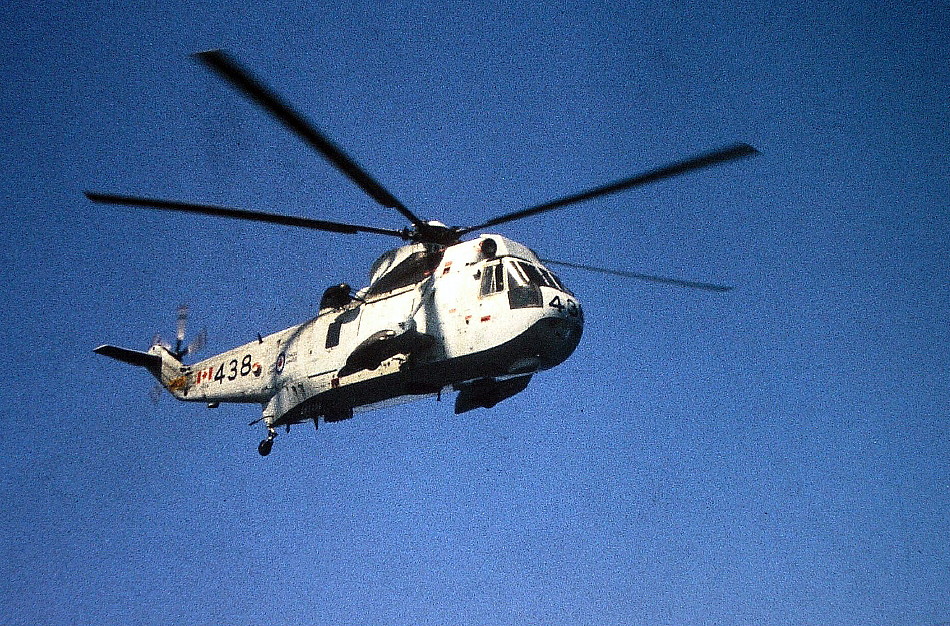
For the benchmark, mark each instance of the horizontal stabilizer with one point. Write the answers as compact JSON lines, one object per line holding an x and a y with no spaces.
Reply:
{"x":152,"y":362}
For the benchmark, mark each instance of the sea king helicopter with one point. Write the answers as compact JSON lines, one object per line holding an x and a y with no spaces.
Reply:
{"x":478,"y":315}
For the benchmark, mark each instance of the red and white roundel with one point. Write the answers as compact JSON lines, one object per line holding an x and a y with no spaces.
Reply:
{"x":281,"y":359}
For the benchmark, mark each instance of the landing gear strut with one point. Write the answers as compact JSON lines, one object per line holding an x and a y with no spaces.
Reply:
{"x":265,"y":446}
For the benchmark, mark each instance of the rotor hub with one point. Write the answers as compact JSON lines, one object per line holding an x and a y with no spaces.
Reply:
{"x":434,"y":231}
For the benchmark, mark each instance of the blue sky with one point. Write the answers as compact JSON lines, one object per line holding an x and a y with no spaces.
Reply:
{"x":775,"y":455}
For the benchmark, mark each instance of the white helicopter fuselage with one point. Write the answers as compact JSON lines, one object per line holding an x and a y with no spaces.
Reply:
{"x":479,"y":317}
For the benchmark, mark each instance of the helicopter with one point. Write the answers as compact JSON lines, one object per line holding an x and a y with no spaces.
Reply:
{"x":441,"y":313}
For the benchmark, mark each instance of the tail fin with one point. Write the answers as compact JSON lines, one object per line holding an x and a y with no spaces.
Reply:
{"x":159,"y":362}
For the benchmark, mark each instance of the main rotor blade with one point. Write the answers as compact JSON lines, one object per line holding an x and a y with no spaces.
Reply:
{"x":227,"y":68}
{"x":255,"y":216}
{"x":663,"y":280}
{"x":715,"y":157}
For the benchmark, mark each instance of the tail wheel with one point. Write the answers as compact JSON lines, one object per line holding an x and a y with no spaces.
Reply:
{"x":265,"y":446}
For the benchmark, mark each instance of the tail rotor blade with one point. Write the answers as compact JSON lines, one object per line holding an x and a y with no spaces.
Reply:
{"x":182,"y":323}
{"x":158,"y":341}
{"x":155,"y":393}
{"x":198,"y":342}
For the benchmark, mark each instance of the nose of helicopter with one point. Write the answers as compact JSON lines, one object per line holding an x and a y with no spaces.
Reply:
{"x":557,"y":339}
{"x":552,"y":338}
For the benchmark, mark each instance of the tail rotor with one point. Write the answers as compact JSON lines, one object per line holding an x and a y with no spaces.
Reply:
{"x":180,"y":350}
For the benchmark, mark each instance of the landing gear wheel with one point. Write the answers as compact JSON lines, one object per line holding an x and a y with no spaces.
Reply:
{"x":265,"y":446}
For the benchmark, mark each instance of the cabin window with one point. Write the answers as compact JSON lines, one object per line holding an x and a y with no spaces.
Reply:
{"x":335,"y":327}
{"x":493,"y":279}
{"x":333,"y":332}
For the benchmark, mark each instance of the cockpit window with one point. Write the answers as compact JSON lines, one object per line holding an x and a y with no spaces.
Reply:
{"x":493,"y":279}
{"x":515,"y":276}
{"x":414,"y":269}
{"x":553,"y":278}
{"x":540,"y":276}
{"x":533,"y":274}
{"x":522,"y":293}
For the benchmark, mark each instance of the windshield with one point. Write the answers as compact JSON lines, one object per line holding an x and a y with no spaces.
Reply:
{"x":536,"y":275}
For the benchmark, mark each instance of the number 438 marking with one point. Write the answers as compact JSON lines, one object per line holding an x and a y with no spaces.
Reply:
{"x":570,"y":305}
{"x":231,"y":370}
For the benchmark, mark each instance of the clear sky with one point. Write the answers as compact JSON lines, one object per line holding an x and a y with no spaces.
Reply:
{"x":776,"y":455}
